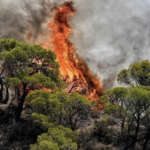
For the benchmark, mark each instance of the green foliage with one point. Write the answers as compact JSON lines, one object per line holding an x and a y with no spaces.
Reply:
{"x":68,"y":110}
{"x":21,"y":58}
{"x":47,"y":144}
{"x":137,"y":101}
{"x":52,"y":109}
{"x":13,"y":81}
{"x":57,"y":138}
{"x":43,"y":121}
{"x":28,"y":67}
{"x":125,"y":101}
{"x":130,"y":108}
{"x":110,"y":108}
{"x":117,"y":94}
{"x":137,"y":74}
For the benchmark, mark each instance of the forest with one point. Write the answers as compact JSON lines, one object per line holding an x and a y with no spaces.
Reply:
{"x":37,"y":114}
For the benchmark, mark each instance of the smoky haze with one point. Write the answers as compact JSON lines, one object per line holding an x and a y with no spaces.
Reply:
{"x":108,"y":34}
{"x":113,"y":34}
{"x":17,"y":18}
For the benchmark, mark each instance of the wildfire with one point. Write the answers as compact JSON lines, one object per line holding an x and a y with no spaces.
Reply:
{"x":72,"y":68}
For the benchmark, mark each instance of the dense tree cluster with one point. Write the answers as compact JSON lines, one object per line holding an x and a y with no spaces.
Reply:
{"x":130,"y":107}
{"x":67,"y":110}
{"x":57,"y":138}
{"x":25,"y":68}
{"x":29,"y":75}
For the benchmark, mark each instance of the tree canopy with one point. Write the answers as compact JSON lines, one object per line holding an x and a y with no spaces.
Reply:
{"x":24,"y":68}
{"x":57,"y":138}
{"x":130,"y":106}
{"x":67,"y":110}
{"x":137,"y":74}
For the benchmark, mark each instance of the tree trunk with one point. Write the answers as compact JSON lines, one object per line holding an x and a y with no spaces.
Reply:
{"x":122,"y":127}
{"x":131,"y":144}
{"x":137,"y":130}
{"x":147,"y":135}
{"x":7,"y":95}
{"x":1,"y":90}
{"x":21,"y":102}
{"x":2,"y":99}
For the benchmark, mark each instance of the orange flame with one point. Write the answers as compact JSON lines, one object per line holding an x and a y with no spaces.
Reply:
{"x":72,"y":68}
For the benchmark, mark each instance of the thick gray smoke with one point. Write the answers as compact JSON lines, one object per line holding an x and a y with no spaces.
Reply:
{"x":113,"y":34}
{"x":18,"y":17}
{"x":108,"y":34}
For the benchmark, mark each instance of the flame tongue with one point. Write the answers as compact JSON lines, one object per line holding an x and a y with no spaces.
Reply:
{"x":72,"y":69}
{"x":60,"y":39}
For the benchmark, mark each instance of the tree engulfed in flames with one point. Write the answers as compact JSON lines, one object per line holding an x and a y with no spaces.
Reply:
{"x":72,"y":68}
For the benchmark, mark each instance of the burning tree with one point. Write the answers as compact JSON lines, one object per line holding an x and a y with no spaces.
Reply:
{"x":25,"y":68}
{"x":72,"y":68}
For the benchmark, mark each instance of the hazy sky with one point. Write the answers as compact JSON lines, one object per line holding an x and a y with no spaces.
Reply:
{"x":114,"y":34}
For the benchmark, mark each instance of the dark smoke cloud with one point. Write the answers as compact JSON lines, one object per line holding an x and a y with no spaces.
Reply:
{"x":11,"y":20}
{"x":19,"y":17}
{"x":113,"y":33}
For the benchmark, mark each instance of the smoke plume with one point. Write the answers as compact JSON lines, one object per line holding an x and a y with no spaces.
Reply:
{"x":19,"y":19}
{"x":108,"y":34}
{"x":113,"y":34}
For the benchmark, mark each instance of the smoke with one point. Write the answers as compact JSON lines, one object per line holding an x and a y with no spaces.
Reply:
{"x":17,"y":18}
{"x":108,"y":34}
{"x":113,"y":34}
